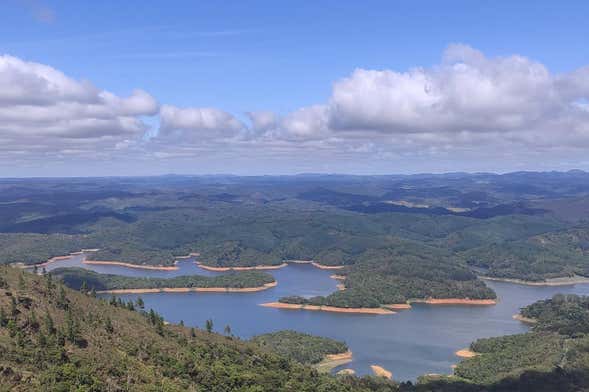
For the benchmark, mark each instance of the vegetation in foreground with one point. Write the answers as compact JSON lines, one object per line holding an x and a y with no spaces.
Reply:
{"x":558,"y":342}
{"x":56,"y":339}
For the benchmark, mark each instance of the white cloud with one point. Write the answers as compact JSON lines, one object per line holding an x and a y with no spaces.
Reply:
{"x":43,"y":110}
{"x":469,"y":107}
{"x":466,"y":92}
{"x":469,"y":111}
{"x":196,"y":124}
{"x":306,"y":123}
{"x":466,"y":102}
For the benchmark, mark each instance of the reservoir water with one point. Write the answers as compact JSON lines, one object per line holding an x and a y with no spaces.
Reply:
{"x":409,"y":343}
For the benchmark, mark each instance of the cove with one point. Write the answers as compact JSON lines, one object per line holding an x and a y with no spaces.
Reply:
{"x":409,"y":343}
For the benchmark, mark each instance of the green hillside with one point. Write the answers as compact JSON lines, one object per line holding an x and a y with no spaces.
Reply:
{"x":56,"y":339}
{"x":77,"y":278}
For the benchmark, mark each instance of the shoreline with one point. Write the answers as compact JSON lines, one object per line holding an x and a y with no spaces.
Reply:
{"x":254,"y":267}
{"x":188,"y":256}
{"x":60,"y":258}
{"x":331,"y":361}
{"x":397,"y":306}
{"x":327,"y":267}
{"x":381,"y":372}
{"x":117,"y":263}
{"x":129,"y":265}
{"x":325,"y":308}
{"x":564,"y":281}
{"x":179,"y":258}
{"x":285,"y":263}
{"x":266,"y":286}
{"x":523,"y":319}
{"x":383,"y":309}
{"x":298,"y":261}
{"x":455,"y":301}
{"x":466,"y":353}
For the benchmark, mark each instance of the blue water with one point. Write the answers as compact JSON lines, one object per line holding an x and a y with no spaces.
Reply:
{"x":410,"y":343}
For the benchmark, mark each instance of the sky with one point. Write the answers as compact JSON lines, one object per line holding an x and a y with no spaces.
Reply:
{"x":266,"y":87}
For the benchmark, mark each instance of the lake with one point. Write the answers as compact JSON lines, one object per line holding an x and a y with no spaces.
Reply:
{"x":409,"y":343}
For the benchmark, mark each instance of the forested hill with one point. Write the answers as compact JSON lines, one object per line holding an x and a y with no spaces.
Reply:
{"x":77,"y":278}
{"x":558,"y":344}
{"x":396,"y":247}
{"x":302,"y":347}
{"x":400,"y":273}
{"x":55,"y":339}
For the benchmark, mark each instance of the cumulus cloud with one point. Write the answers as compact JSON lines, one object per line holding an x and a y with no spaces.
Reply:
{"x":306,"y":123}
{"x":467,"y":101}
{"x":467,"y":92}
{"x":195,"y":124}
{"x":469,"y":108}
{"x":43,"y":110}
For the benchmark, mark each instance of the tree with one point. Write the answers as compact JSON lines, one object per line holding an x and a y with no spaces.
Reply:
{"x":33,"y":322}
{"x":159,"y":326}
{"x":3,"y":318}
{"x":84,"y":287}
{"x":62,"y":301}
{"x":108,"y":326}
{"x":140,"y":303}
{"x":192,"y":333}
{"x":12,"y":328}
{"x":227,"y":330}
{"x":49,"y":282}
{"x":152,"y":316}
{"x":71,"y":327}
{"x":49,"y":326}
{"x":13,"y":309}
{"x":209,"y":325}
{"x":60,"y":338}
{"x":21,"y":282}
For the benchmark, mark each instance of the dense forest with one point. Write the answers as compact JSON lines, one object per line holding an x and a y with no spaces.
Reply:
{"x":77,"y":278}
{"x":55,"y":338}
{"x":563,"y":253}
{"x":439,"y":232}
{"x":400,"y":273}
{"x":564,"y":314}
{"x":301,"y":347}
{"x":558,"y":342}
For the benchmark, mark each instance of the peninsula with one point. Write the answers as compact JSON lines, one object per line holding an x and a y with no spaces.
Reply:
{"x":233,"y":282}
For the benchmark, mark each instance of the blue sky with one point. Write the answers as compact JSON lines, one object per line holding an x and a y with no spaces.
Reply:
{"x":279,"y":57}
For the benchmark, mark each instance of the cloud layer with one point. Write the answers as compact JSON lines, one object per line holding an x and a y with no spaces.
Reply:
{"x":504,"y":108}
{"x":42,"y":111}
